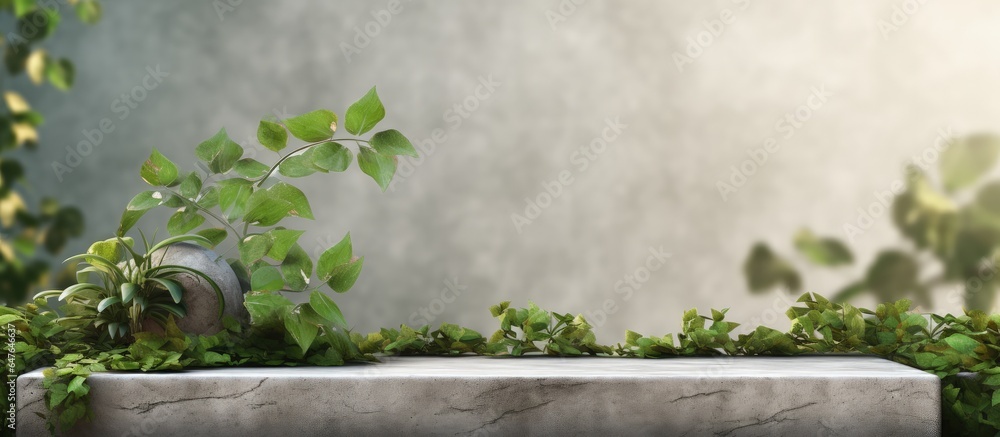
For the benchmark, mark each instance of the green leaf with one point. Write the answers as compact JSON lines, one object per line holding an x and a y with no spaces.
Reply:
{"x":197,"y":239}
{"x":219,"y":152}
{"x":854,"y":321}
{"x":128,"y":291}
{"x":330,"y":157}
{"x":191,"y":186}
{"x":295,"y":197}
{"x":182,"y":222}
{"x":381,"y":168}
{"x":138,"y":207}
{"x":233,"y":197}
{"x":266,"y":278}
{"x":210,"y":198}
{"x":129,"y":219}
{"x":107,"y":302}
{"x":145,"y":200}
{"x":337,"y":255}
{"x":250,"y":168}
{"x":327,"y":309}
{"x":60,"y":73}
{"x":764,"y":270}
{"x":364,"y":114}
{"x":344,"y":275}
{"x":283,"y":240}
{"x":264,"y":208}
{"x":88,"y":11}
{"x":500,"y":308}
{"x":718,"y":315}
{"x":822,"y":251}
{"x":214,"y":235}
{"x":267,"y":207}
{"x":254,"y":247}
{"x":22,"y":7}
{"x":297,"y":166}
{"x":242,"y":274}
{"x":893,"y":275}
{"x":965,"y":160}
{"x":297,"y":268}
{"x":301,"y":331}
{"x":272,"y":135}
{"x":109,"y":249}
{"x":158,"y":171}
{"x":313,"y":126}
{"x":391,"y":142}
{"x":962,"y":343}
{"x":266,"y":309}
{"x":175,"y":289}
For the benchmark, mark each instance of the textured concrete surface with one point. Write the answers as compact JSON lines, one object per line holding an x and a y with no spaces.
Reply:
{"x":199,"y":297}
{"x":801,"y":396}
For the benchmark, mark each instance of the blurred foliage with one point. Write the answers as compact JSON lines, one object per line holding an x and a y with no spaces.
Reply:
{"x":951,"y":220}
{"x":23,"y":230}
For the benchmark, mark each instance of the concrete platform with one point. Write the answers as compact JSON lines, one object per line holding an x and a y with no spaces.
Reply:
{"x":538,"y":396}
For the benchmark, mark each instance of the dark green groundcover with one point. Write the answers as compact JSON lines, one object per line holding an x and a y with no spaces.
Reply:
{"x":948,"y":346}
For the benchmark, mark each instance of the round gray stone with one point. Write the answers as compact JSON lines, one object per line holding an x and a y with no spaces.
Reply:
{"x":199,"y":296}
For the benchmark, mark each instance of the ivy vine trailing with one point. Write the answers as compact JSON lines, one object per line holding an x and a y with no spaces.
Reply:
{"x":948,"y":346}
{"x":98,"y":324}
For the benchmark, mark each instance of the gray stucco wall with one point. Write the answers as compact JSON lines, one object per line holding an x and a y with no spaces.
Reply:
{"x":887,"y":94}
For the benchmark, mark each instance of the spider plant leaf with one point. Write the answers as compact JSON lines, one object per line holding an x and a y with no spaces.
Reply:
{"x":108,"y":302}
{"x":91,"y":269}
{"x":175,"y":309}
{"x":102,"y":263}
{"x":113,"y":329}
{"x":129,"y":291}
{"x":73,"y":289}
{"x":159,"y":318}
{"x":182,"y":239}
{"x":141,"y":301}
{"x":47,"y":294}
{"x":175,"y":289}
{"x":175,"y":268}
{"x":126,"y":244}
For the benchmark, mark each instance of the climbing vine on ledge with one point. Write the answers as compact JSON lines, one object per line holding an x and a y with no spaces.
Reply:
{"x":962,"y":350}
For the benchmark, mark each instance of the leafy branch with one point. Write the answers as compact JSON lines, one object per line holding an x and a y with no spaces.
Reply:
{"x":271,"y":260}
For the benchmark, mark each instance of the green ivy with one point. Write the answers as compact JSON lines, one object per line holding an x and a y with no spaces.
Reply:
{"x":962,"y":350}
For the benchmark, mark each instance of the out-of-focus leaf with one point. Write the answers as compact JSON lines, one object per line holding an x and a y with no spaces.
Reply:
{"x":967,"y":159}
{"x":822,"y":251}
{"x":764,"y":270}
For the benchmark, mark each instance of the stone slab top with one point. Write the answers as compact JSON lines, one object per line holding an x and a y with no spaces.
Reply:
{"x":829,"y":395}
{"x":801,"y":367}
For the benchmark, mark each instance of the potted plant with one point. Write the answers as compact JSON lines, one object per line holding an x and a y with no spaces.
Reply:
{"x":126,"y":292}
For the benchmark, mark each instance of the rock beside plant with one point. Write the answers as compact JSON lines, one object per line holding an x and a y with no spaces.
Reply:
{"x":199,"y":296}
